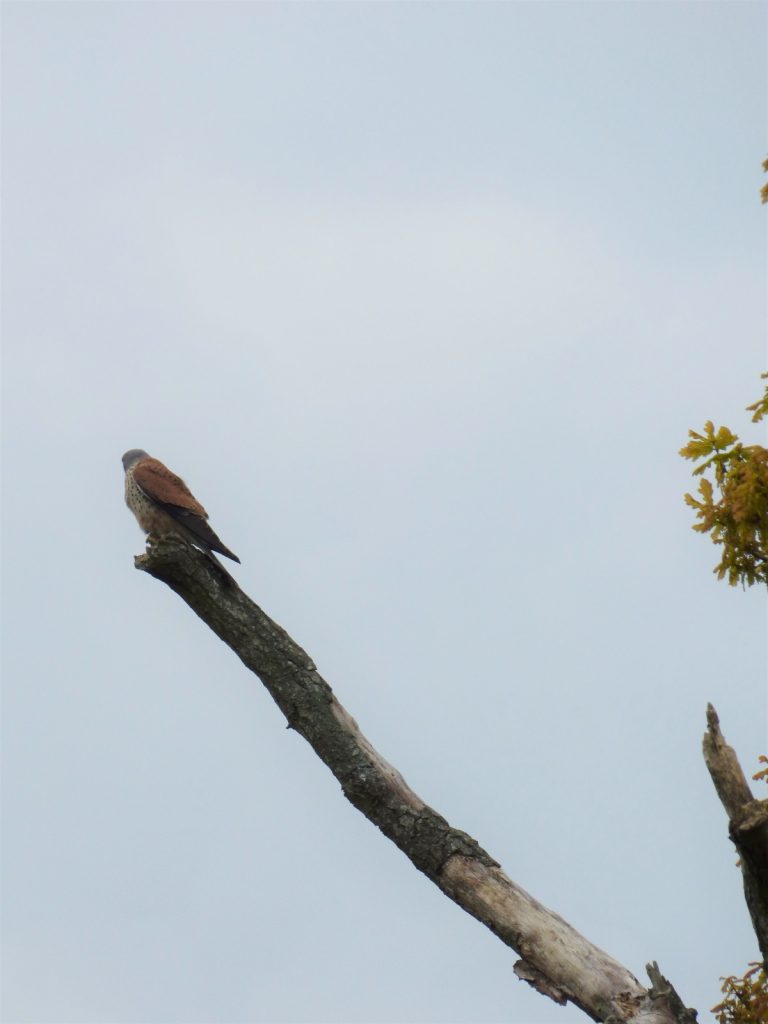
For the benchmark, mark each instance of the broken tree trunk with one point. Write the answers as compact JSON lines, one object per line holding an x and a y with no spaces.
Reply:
{"x":747,"y":824}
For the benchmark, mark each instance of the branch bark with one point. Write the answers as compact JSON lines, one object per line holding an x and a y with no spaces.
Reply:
{"x":555,"y":958}
{"x":747,"y":824}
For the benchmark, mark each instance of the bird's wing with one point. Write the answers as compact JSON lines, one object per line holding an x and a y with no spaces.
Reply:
{"x":200,"y":529}
{"x":167,"y":489}
{"x":172,"y":494}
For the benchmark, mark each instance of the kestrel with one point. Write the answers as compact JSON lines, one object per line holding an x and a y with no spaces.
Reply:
{"x":163,"y":504}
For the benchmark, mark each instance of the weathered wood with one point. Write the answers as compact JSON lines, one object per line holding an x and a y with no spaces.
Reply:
{"x":747,"y":824}
{"x":556,"y":959}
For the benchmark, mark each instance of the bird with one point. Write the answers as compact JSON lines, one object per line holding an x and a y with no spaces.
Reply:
{"x":164,"y":505}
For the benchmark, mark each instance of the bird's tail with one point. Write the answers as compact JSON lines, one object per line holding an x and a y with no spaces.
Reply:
{"x":228,"y":579}
{"x":202,"y":532}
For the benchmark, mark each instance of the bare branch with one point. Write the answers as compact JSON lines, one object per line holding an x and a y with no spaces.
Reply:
{"x":556,"y":959}
{"x":747,"y":823}
{"x":662,"y":988}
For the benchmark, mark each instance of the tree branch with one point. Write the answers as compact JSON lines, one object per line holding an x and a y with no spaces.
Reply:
{"x":747,"y":824}
{"x":556,"y":959}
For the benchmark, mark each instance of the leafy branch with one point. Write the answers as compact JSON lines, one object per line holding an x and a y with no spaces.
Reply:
{"x":737,"y":518}
{"x":746,"y":998}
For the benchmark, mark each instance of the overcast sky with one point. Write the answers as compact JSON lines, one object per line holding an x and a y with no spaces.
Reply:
{"x":421,"y":300}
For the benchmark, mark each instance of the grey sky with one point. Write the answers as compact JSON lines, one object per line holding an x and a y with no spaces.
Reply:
{"x":421,"y":299}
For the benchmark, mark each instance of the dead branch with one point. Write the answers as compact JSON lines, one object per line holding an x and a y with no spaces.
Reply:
{"x":556,"y":959}
{"x":747,"y":824}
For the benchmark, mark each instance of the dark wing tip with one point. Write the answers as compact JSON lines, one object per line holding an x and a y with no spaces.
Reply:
{"x":224,"y":550}
{"x":201,"y":529}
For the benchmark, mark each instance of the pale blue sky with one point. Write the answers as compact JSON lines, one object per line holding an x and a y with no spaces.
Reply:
{"x":421,"y":299}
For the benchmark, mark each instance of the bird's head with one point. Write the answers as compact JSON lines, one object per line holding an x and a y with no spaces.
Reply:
{"x":132,"y":457}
